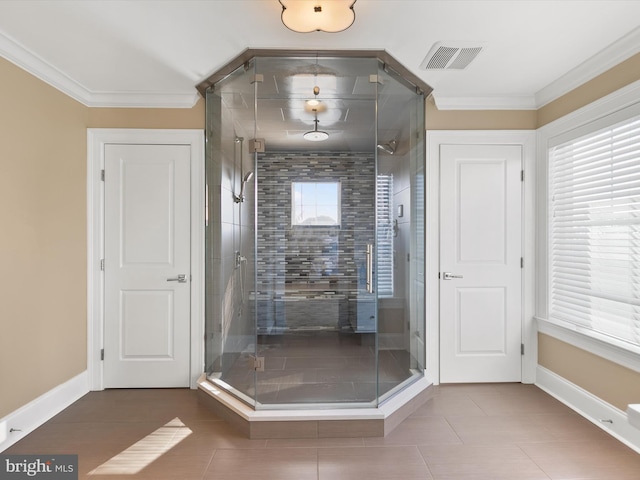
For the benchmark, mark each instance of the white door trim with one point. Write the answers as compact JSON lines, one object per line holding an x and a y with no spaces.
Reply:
{"x":435,"y":138}
{"x":97,"y":138}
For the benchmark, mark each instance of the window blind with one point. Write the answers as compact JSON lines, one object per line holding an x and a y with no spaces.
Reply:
{"x":384,"y":240}
{"x":594,"y":231}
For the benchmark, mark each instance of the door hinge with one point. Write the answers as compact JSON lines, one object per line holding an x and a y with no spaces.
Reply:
{"x":102,"y":264}
{"x":102,"y":174}
{"x":521,"y":262}
{"x":256,"y":363}
{"x":522,"y":349}
{"x":522,"y":175}
{"x":102,"y":354}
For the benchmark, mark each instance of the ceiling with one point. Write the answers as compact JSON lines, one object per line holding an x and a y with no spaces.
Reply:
{"x":154,"y":53}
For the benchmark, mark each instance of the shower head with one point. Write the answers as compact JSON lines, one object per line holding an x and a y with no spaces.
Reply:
{"x":239,"y":139}
{"x":315,"y":135}
{"x":389,"y":147}
{"x":240,"y":198}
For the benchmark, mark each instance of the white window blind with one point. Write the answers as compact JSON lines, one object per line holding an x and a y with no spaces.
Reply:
{"x":384,"y":240}
{"x":594,"y":231}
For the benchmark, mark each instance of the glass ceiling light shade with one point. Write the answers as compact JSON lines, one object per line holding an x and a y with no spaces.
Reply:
{"x":329,"y":16}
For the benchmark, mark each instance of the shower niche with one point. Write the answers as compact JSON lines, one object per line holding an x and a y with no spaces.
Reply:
{"x":315,"y":235}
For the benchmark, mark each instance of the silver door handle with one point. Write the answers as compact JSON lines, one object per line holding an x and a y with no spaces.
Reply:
{"x":449,"y":276}
{"x":182,"y":278}
{"x":369,"y":283}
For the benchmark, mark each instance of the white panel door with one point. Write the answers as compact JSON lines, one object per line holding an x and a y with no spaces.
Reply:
{"x":147,"y":266}
{"x":480,"y":249}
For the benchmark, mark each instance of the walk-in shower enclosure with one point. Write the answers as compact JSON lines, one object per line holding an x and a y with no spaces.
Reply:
{"x":315,"y":228}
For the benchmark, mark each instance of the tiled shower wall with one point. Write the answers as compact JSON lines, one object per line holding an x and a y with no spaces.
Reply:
{"x":311,"y":276}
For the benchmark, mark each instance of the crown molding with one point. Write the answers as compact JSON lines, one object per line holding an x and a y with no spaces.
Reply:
{"x":27,"y":60}
{"x":484,"y":103}
{"x":11,"y":50}
{"x":611,"y":56}
{"x":144,"y":99}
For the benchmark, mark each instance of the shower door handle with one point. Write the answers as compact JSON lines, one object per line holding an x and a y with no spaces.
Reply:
{"x":182,"y":278}
{"x":369,"y":268}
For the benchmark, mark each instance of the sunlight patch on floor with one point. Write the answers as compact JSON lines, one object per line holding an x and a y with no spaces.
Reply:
{"x":141,"y":454}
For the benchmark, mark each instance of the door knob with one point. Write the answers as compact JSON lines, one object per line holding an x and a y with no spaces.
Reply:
{"x":182,"y":278}
{"x":449,"y":276}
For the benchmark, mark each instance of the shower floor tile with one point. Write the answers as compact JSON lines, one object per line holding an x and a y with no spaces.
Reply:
{"x":319,"y":367}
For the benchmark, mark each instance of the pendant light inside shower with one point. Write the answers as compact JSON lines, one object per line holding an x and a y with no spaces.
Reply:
{"x":315,"y":135}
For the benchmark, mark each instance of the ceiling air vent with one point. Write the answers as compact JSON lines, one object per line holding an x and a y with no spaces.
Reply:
{"x":453,"y":56}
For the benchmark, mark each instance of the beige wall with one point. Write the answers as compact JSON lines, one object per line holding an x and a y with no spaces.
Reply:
{"x":43,"y":239}
{"x":608,"y":82}
{"x":148,"y":117}
{"x":609,"y":381}
{"x":478,"y":119}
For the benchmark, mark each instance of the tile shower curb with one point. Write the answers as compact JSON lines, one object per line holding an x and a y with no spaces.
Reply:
{"x":315,"y":423}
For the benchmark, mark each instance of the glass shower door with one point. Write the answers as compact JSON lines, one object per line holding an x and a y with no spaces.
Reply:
{"x":315,"y":236}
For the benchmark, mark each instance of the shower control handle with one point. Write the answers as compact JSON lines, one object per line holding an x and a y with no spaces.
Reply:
{"x":449,"y":276}
{"x":182,"y":278}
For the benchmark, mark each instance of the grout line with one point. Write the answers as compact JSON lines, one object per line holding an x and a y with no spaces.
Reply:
{"x":453,"y":429}
{"x":533,"y":460}
{"x":213,"y":454}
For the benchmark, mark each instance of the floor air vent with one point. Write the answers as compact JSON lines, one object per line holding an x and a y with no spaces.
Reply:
{"x":451,"y":56}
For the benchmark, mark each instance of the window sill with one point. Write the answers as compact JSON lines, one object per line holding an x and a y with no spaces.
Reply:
{"x":625,"y":355}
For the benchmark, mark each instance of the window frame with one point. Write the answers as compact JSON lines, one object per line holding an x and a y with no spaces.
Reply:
{"x":338,"y":223}
{"x":623,"y":103}
{"x":589,"y":285}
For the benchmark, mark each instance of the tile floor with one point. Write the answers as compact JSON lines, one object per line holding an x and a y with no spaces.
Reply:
{"x":490,"y":431}
{"x":318,"y":367}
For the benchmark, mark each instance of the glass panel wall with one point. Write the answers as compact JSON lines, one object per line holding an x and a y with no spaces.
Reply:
{"x":315,"y":233}
{"x":229,"y":238}
{"x":400,"y":143}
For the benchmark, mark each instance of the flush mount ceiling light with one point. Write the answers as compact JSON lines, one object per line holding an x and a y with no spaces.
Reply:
{"x":329,"y":16}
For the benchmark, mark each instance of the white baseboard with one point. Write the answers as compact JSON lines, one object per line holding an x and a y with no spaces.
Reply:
{"x":30,"y":416}
{"x":590,"y":407}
